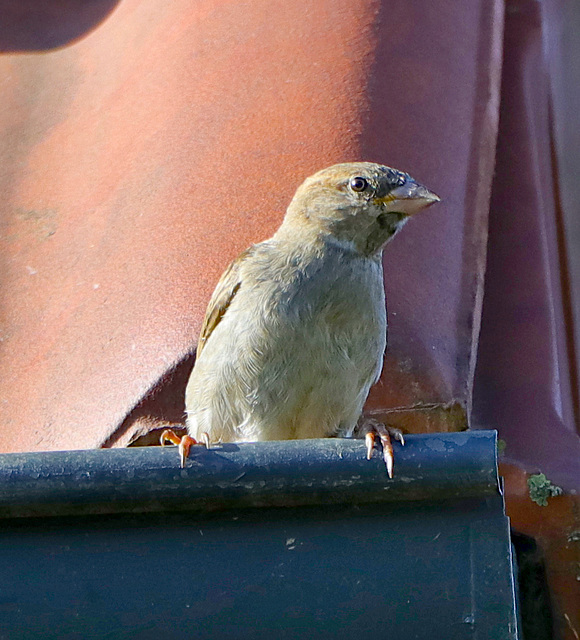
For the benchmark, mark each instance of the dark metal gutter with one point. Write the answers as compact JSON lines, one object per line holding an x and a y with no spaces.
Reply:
{"x":291,"y":473}
{"x":301,"y":539}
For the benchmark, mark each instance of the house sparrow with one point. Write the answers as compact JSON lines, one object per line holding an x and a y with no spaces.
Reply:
{"x":296,"y":329}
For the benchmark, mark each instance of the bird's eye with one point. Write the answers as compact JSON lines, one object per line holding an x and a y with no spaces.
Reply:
{"x":358,"y":184}
{"x":399,"y":180}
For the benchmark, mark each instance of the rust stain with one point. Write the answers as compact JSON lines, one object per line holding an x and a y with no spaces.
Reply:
{"x":556,"y":528}
{"x":425,"y":417}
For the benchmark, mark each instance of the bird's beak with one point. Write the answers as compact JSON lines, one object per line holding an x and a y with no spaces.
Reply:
{"x":409,"y":198}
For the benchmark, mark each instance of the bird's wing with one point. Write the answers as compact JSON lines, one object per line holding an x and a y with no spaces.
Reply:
{"x":227,"y":287}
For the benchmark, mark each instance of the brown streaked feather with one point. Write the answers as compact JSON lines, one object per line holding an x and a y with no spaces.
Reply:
{"x":227,"y":287}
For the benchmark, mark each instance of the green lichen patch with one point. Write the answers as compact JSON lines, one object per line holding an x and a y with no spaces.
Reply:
{"x":501,"y":445}
{"x":540,"y":489}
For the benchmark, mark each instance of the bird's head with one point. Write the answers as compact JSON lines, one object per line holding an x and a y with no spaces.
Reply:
{"x":360,"y":205}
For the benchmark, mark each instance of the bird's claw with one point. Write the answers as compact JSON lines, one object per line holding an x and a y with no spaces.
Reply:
{"x":372,"y":428}
{"x":184,"y":443}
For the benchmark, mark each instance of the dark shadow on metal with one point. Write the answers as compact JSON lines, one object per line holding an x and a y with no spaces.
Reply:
{"x":297,"y":472}
{"x":29,"y":25}
{"x":535,"y":603}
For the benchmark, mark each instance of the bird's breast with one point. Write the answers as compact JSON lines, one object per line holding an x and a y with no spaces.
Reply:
{"x":295,"y":354}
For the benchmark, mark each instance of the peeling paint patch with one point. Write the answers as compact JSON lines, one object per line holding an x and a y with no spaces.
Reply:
{"x":42,"y":221}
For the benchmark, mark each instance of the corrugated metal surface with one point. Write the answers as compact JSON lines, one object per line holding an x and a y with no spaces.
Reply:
{"x":527,"y":374}
{"x":158,"y":141}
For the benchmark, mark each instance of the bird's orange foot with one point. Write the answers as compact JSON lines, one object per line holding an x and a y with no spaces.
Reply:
{"x":184,"y":443}
{"x":371,"y":429}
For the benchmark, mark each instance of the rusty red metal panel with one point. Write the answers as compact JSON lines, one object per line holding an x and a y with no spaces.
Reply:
{"x":526,"y":378}
{"x":562,"y":48}
{"x":143,"y":154}
{"x":555,"y":527}
{"x":523,"y":382}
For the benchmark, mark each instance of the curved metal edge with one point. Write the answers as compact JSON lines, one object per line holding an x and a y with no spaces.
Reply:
{"x":296,"y":472}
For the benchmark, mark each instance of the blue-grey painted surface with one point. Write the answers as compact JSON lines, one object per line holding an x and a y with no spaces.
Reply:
{"x":434,"y":567}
